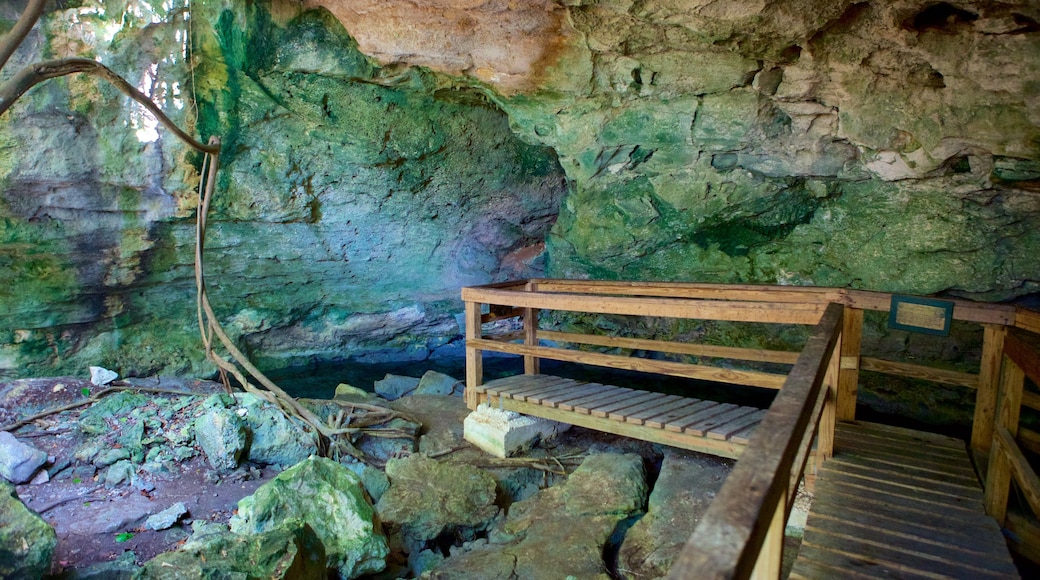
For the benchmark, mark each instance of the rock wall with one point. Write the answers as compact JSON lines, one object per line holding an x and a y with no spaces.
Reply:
{"x":353,"y":201}
{"x":887,"y":145}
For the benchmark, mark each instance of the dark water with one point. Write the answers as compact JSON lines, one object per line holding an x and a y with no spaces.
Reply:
{"x":320,"y":380}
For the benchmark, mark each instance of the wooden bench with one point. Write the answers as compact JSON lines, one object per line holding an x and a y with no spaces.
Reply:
{"x":717,"y":428}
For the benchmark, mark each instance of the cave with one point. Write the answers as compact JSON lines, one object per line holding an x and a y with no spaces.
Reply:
{"x":373,"y":158}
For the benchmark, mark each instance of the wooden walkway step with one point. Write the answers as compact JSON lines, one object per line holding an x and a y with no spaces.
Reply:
{"x":898,"y":503}
{"x":717,"y":428}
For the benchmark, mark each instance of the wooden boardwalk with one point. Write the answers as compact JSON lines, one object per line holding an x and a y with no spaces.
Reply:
{"x":897,"y":503}
{"x":716,"y":428}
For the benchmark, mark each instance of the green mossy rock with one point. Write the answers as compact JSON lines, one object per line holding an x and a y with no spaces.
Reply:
{"x":428,"y":498}
{"x":329,"y":498}
{"x":26,"y":541}
{"x":292,"y":552}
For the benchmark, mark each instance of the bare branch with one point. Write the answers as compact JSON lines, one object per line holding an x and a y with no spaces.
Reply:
{"x":36,"y":73}
{"x":21,"y":29}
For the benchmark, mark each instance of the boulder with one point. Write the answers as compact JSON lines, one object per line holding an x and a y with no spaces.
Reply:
{"x":330,"y":499}
{"x":561,"y":531}
{"x":351,"y":394}
{"x":393,"y":387}
{"x":288,"y":551}
{"x":441,"y":417}
{"x":18,"y":461}
{"x":26,"y":541}
{"x":428,"y":498}
{"x":221,"y":433}
{"x":435,"y":383}
{"x":274,"y":439}
{"x":99,"y":418}
{"x":684,"y":489}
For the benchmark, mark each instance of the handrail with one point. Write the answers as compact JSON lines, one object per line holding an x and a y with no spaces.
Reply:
{"x":730,"y":539}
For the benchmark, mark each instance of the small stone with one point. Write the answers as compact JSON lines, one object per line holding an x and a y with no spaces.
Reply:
{"x":41,"y":478}
{"x":395,"y":386}
{"x":101,"y":376}
{"x":119,"y":472}
{"x":18,"y":461}
{"x":166,"y":518}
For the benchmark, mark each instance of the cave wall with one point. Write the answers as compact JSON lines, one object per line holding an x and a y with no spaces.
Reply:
{"x":353,"y":200}
{"x":379,"y":154}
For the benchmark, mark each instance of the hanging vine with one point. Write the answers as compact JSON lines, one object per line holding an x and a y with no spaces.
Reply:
{"x":329,"y":433}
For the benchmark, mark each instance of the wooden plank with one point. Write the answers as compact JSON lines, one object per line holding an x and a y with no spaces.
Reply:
{"x":923,"y":442}
{"x":848,"y":375}
{"x":989,"y":384}
{"x":1029,"y":440}
{"x":910,"y":484}
{"x":708,"y":350}
{"x":843,"y":550}
{"x":1027,"y":319}
{"x":1031,"y":400}
{"x":521,"y":389}
{"x":553,"y":392}
{"x":1025,"y":351}
{"x":770,"y":558}
{"x":747,"y":292}
{"x":676,"y":369}
{"x":474,"y":356}
{"x":924,"y":523}
{"x":653,"y":403}
{"x":903,"y":369}
{"x":806,"y":569}
{"x":962,"y":551}
{"x":900,"y":508}
{"x":634,"y":399}
{"x":774,"y":312}
{"x":884,"y":491}
{"x":679,"y":424}
{"x":743,"y":437}
{"x":913,"y":436}
{"x":983,"y":313}
{"x":576,"y":393}
{"x":1028,"y":482}
{"x":723,"y":432}
{"x":598,"y":390}
{"x":658,"y":421}
{"x":701,"y":428}
{"x":909,"y":465}
{"x":726,"y":542}
{"x":616,"y":394}
{"x":680,"y":440}
{"x":924,"y":456}
{"x":670,"y":402}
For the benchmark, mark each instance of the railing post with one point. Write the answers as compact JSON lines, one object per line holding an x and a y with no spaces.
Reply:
{"x":998,"y":475}
{"x":848,"y":374}
{"x":825,"y":435}
{"x":474,"y":355}
{"x":532,"y":363}
{"x":989,"y":382}
{"x":771,"y":556}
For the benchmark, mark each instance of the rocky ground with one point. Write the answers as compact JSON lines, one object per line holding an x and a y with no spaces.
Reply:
{"x":173,"y":478}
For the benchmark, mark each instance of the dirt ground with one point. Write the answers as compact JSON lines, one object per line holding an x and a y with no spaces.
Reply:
{"x":96,"y":524}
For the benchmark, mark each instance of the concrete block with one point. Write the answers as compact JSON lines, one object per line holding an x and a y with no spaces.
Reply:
{"x":502,"y":433}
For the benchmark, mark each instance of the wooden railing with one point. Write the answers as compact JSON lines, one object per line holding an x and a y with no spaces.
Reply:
{"x":1007,"y":461}
{"x":742,"y":532}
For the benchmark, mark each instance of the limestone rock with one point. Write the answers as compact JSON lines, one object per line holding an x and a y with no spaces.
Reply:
{"x":393,"y":387}
{"x":273,"y":438}
{"x":167,"y":518}
{"x":441,"y":417}
{"x":18,"y":461}
{"x":221,"y":433}
{"x":291,"y":551}
{"x":331,"y":500}
{"x":560,"y":531}
{"x":26,"y":541}
{"x":101,"y":376}
{"x":99,"y":418}
{"x":435,"y":383}
{"x":682,"y":493}
{"x":428,"y":498}
{"x":502,"y":433}
{"x":349,"y":394}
